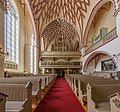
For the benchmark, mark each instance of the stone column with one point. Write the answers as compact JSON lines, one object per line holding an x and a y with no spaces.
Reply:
{"x":28,"y":44}
{"x":28,"y":49}
{"x":31,"y":47}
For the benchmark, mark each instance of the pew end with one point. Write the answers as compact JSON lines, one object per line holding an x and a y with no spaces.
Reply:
{"x":115,"y":102}
{"x":19,"y":97}
{"x":2,"y":101}
{"x":90,"y":103}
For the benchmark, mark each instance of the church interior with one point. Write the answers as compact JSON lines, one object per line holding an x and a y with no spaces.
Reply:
{"x":59,"y":56}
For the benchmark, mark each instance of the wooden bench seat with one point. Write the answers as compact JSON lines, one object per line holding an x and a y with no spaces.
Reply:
{"x":9,"y":74}
{"x":105,"y":74}
{"x":36,"y":81}
{"x":82,"y":87}
{"x":79,"y":83}
{"x":19,"y":97}
{"x":115,"y":102}
{"x":14,"y":106}
{"x":97,"y":95}
{"x":39,"y":84}
{"x":103,"y":107}
{"x":83,"y":80}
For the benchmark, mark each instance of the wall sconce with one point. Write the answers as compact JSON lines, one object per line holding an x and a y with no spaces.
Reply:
{"x":2,"y":52}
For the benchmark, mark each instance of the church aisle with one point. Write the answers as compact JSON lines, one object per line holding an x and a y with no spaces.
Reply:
{"x":60,"y":98}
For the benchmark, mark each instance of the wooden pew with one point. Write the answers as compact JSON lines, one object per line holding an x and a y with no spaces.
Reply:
{"x":38,"y":84}
{"x":2,"y":102}
{"x":47,"y":83}
{"x":19,"y":97}
{"x":97,"y":96}
{"x":83,"y":80}
{"x":115,"y":102}
{"x":105,"y":74}
{"x":44,"y":83}
{"x":8,"y":74}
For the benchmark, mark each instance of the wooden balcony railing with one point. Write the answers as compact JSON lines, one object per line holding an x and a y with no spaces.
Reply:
{"x":60,"y":54}
{"x":64,"y":63}
{"x":102,"y":40}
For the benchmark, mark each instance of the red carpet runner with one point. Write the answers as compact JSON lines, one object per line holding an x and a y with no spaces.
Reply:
{"x":60,"y":98}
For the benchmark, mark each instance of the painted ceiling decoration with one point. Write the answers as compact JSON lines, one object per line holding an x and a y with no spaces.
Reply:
{"x":59,"y":27}
{"x":45,"y":11}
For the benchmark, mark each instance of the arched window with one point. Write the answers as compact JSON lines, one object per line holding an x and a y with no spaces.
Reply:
{"x":11,"y":34}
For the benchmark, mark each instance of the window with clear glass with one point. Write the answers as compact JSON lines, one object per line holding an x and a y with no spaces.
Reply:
{"x":11,"y":34}
{"x":33,"y":55}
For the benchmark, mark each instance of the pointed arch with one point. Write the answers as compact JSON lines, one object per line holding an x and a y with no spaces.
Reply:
{"x":93,"y":55}
{"x":93,"y":13}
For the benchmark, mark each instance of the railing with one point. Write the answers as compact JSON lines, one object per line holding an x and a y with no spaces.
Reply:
{"x":60,"y":54}
{"x":64,"y":63}
{"x":102,"y":40}
{"x":10,"y":65}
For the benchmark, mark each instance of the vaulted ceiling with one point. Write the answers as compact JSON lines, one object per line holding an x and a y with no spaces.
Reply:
{"x":59,"y":28}
{"x":45,"y":11}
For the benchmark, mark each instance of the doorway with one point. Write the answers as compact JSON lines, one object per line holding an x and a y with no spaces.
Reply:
{"x":60,"y":72}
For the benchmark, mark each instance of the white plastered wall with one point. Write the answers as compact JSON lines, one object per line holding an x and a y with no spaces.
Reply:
{"x":105,"y":18}
{"x":93,"y":3}
{"x":91,"y":67}
{"x":113,"y":47}
{"x":118,"y":42}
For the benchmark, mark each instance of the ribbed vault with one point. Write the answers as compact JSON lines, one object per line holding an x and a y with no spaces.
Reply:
{"x":59,"y":28}
{"x":45,"y":11}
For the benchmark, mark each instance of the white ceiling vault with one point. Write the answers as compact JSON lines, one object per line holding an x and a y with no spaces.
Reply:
{"x":45,"y":11}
